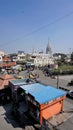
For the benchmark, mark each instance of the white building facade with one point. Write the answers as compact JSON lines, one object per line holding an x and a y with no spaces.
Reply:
{"x":21,"y":57}
{"x":42,"y":59}
{"x":1,"y":55}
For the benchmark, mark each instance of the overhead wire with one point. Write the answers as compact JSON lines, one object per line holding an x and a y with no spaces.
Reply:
{"x":39,"y":29}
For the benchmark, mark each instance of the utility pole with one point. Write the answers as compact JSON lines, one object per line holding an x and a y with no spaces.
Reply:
{"x":58,"y":77}
{"x":58,"y":81}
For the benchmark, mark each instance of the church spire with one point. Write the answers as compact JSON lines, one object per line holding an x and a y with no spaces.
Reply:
{"x":48,"y":48}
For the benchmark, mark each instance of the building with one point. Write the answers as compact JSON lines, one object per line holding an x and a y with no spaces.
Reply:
{"x":43,"y":102}
{"x":13,"y":57}
{"x":42,"y":59}
{"x":2,"y":53}
{"x":0,"y":59}
{"x":5,"y":91}
{"x":16,"y":83}
{"x":6,"y":62}
{"x":21,"y":57}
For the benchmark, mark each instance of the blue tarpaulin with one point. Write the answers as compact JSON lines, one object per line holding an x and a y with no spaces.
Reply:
{"x":41,"y":93}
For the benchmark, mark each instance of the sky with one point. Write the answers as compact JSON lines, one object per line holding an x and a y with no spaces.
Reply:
{"x":28,"y":24}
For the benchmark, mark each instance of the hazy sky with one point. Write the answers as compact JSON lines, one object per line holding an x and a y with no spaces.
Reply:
{"x":19,"y":18}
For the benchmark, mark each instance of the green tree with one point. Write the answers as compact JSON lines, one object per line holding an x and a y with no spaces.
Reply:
{"x":72,"y":56}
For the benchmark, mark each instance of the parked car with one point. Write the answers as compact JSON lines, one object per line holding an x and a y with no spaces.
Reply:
{"x":70,"y":83}
{"x":70,"y":93}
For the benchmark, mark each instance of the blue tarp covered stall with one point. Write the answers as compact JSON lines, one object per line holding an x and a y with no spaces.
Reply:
{"x":50,"y":99}
{"x":41,"y":93}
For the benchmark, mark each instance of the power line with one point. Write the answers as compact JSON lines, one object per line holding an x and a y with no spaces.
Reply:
{"x":39,"y":29}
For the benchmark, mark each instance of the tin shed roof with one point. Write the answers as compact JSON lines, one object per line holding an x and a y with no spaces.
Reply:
{"x":41,"y":93}
{"x":21,"y":81}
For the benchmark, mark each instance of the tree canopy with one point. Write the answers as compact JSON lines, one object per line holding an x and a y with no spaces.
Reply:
{"x":72,"y":56}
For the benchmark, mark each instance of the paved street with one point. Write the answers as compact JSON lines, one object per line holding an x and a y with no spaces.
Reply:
{"x":63,"y":80}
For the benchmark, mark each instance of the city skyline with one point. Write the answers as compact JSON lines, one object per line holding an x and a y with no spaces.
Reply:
{"x":25,"y":25}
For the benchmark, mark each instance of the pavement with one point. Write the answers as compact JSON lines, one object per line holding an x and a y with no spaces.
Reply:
{"x":6,"y":122}
{"x":58,"y":121}
{"x":68,"y":125}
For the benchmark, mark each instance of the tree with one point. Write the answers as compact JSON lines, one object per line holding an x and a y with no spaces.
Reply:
{"x":72,"y":56}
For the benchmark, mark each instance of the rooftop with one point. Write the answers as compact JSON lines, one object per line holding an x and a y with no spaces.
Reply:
{"x":41,"y":93}
{"x":4,"y":79}
{"x":21,"y":81}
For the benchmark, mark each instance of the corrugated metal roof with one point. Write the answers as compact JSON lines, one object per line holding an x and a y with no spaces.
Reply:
{"x":43,"y":94}
{"x":21,"y":81}
{"x":18,"y":81}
